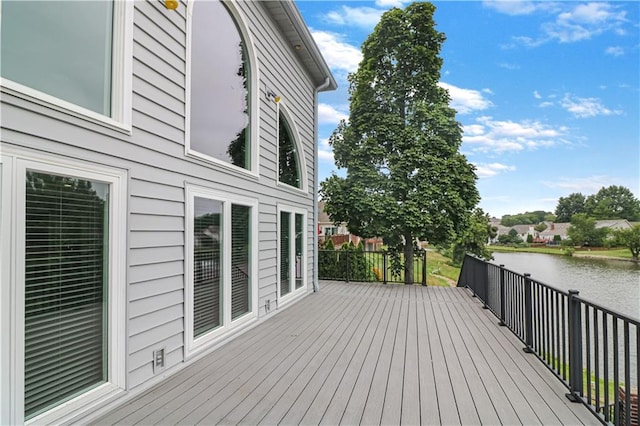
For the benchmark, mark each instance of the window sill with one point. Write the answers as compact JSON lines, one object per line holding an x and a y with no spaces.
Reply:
{"x":293,"y":189}
{"x":73,"y":409}
{"x":223,"y":165}
{"x":51,"y":102}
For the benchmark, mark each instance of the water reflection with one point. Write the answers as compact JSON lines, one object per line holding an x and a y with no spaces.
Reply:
{"x":610,"y":283}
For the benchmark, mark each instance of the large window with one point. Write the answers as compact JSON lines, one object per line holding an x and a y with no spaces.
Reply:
{"x":292,"y":251}
{"x":220,"y":75}
{"x":68,"y":293}
{"x":220,"y":287}
{"x":288,"y":162}
{"x":68,"y":53}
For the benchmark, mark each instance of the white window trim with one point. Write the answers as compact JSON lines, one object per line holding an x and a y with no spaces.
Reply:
{"x":195,"y":345}
{"x":294,"y":293}
{"x":15,"y":163}
{"x":293,"y":128}
{"x":254,"y":89}
{"x":121,"y":78}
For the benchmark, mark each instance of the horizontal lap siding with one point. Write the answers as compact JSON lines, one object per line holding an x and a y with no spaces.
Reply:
{"x":154,"y":157}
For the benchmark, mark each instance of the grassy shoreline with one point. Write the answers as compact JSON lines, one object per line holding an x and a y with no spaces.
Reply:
{"x":615,"y":253}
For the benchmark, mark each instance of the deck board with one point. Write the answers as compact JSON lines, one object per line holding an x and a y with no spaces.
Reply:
{"x":358,"y":353}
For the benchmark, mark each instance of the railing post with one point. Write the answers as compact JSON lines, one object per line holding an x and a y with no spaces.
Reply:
{"x":384,"y":267}
{"x":485,"y":285}
{"x":424,"y":268}
{"x":575,"y":347}
{"x":348,"y":254}
{"x":528,"y":314}
{"x":472,"y":278}
{"x":503,"y":303}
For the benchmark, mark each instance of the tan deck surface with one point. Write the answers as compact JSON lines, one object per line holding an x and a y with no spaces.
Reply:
{"x":364,"y":354}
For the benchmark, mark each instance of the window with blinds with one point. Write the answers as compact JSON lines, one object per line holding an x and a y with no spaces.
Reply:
{"x":285,"y":253}
{"x":240,"y":253}
{"x":66,"y":258}
{"x":207,"y":265}
{"x":299,"y":250}
{"x":219,"y":287}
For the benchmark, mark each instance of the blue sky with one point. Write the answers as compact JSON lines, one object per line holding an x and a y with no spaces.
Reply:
{"x":548,"y":93}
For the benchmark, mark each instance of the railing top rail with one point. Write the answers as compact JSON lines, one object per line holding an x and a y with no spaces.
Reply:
{"x":550,"y":287}
{"x":614,"y":313}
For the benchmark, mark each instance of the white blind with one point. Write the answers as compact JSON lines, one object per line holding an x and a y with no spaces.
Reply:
{"x":285,"y":253}
{"x":240,"y":252}
{"x":65,"y":288}
{"x":207,"y":258}
{"x":299,"y":250}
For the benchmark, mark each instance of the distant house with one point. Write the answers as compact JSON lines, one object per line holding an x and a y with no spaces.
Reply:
{"x":553,"y":229}
{"x":339,"y":234}
{"x":158,"y":179}
{"x":613,"y":224}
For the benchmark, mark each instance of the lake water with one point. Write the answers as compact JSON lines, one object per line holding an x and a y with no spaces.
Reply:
{"x":612,"y":284}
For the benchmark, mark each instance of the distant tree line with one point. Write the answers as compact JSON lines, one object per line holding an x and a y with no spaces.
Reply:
{"x":612,"y":202}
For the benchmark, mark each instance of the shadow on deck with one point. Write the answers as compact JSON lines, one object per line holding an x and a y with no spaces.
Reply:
{"x":361,"y":353}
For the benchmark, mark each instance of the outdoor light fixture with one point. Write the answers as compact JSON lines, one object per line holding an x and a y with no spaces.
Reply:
{"x":272,"y":96}
{"x":171,"y":4}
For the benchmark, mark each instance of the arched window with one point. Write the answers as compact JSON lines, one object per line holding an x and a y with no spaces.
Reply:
{"x":220,"y":85}
{"x":288,"y":161}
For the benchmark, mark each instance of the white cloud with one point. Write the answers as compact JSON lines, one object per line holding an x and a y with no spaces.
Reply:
{"x":497,"y":136}
{"x":327,"y":114}
{"x":492,"y":169}
{"x":586,"y":185}
{"x":536,"y":95}
{"x":325,"y":152}
{"x":363,"y":17}
{"x":508,"y":66}
{"x":338,"y":54}
{"x":546,"y":104}
{"x":510,"y":7}
{"x":571,"y":22}
{"x":391,"y":3}
{"x":586,"y":107}
{"x":466,"y":100}
{"x":614,"y":51}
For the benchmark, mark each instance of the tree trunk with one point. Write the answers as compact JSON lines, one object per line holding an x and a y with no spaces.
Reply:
{"x":408,"y":259}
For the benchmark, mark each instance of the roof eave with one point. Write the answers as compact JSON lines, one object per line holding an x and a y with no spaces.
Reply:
{"x":286,"y":14}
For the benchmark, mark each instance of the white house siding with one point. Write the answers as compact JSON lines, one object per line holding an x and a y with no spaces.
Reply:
{"x":157,"y":169}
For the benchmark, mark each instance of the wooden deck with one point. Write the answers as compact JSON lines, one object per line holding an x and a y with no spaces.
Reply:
{"x":364,"y":354}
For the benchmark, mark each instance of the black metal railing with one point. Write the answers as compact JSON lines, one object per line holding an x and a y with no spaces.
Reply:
{"x":591,"y":349}
{"x":370,"y":266}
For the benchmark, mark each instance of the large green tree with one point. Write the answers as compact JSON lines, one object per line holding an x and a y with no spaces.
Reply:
{"x":613,"y":202}
{"x":405,"y":177}
{"x":583,"y":231}
{"x":630,"y":238}
{"x":568,"y":206}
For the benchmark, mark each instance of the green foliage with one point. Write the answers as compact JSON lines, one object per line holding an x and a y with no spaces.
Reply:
{"x":512,"y":238}
{"x":540,"y":227}
{"x":613,"y":202}
{"x":405,"y":177}
{"x":347,"y":263}
{"x":327,"y":261}
{"x":568,"y":206}
{"x":629,"y":238}
{"x":529,"y":238}
{"x":568,"y":251}
{"x":583,"y":231}
{"x":527,"y":218}
{"x":557,"y":238}
{"x":474,"y":239}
